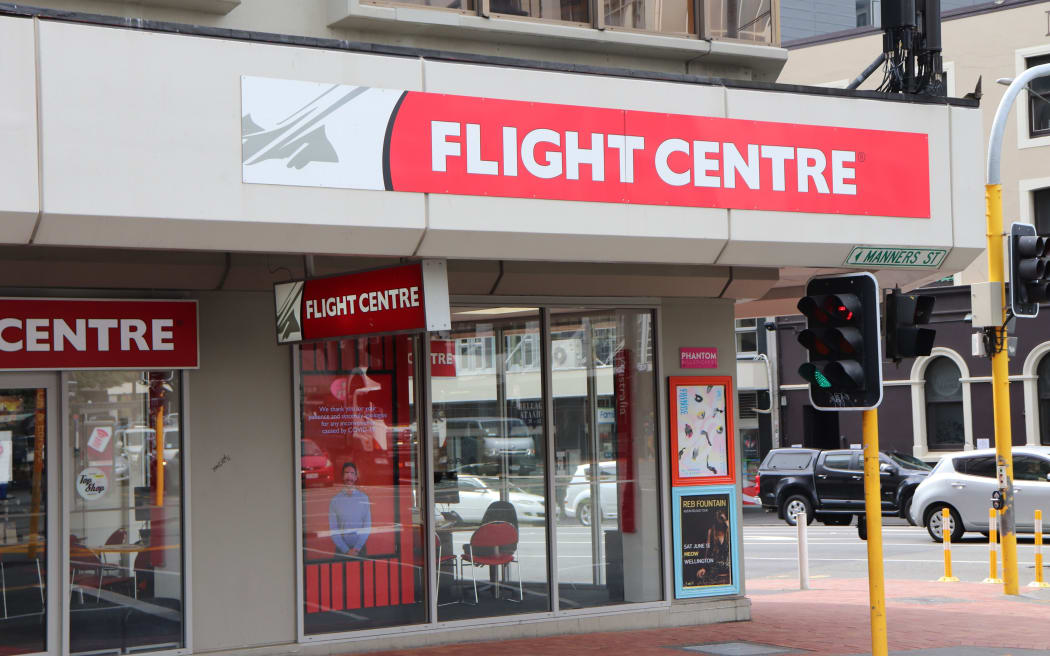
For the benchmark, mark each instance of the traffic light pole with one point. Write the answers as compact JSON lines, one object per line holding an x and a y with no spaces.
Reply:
{"x":1001,"y":394}
{"x":1000,"y":360}
{"x":873,"y":516}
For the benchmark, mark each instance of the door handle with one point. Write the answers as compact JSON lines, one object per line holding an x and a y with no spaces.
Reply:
{"x":958,"y":484}
{"x":855,"y":477}
{"x":822,"y":475}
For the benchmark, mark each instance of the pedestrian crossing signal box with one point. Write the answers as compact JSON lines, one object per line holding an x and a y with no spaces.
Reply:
{"x":842,"y":340}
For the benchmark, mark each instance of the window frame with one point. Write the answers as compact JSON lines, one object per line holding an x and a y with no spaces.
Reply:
{"x":940,"y":402}
{"x":347,"y":12}
{"x":1024,"y":137}
{"x":740,"y":328}
{"x":917,"y":381}
{"x":62,"y":439}
{"x":1030,"y":378}
{"x":427,"y":435}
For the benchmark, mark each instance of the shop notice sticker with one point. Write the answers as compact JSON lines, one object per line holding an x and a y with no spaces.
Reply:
{"x":92,"y":483}
{"x":100,"y":438}
{"x":699,"y":358}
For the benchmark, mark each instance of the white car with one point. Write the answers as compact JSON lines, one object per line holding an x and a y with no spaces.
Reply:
{"x":578,"y":495}
{"x":477,"y":493}
{"x":964,"y":482}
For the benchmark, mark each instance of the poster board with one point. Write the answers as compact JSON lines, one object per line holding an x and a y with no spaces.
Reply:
{"x":706,"y":549}
{"x":6,"y":457}
{"x":701,"y":424}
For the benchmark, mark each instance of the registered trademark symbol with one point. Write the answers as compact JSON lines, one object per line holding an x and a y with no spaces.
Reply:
{"x":861,"y":157}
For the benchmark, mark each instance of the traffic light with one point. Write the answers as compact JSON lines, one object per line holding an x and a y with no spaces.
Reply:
{"x":904,"y":313}
{"x":1029,"y":270}
{"x":844,"y":368}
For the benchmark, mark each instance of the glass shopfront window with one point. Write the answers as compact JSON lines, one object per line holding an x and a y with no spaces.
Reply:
{"x":23,"y":518}
{"x":490,"y":503}
{"x":362,"y":520}
{"x":126,"y":517}
{"x":607,"y":479}
{"x":365,"y":504}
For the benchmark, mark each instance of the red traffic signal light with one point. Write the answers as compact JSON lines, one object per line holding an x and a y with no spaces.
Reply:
{"x":844,"y":368}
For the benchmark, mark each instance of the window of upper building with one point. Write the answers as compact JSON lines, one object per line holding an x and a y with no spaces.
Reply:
{"x":747,"y":20}
{"x":945,"y":430}
{"x":1038,"y":100}
{"x":1043,"y":389}
{"x":1033,"y":105}
{"x":1041,"y":210}
{"x":744,"y":20}
{"x":746,"y":336}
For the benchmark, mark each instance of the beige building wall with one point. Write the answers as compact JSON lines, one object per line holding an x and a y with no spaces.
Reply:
{"x":988,"y":46}
{"x":242,"y":478}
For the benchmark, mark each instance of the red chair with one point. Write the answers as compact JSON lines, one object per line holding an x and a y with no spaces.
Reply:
{"x":87,"y":570}
{"x":119,"y":536}
{"x":492,"y":545}
{"x":441,"y":560}
{"x":143,"y":573}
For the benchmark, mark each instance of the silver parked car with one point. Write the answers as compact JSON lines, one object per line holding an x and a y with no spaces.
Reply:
{"x":964,"y":482}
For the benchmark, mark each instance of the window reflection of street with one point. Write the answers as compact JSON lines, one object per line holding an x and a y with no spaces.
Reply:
{"x":489,"y":467}
{"x":23,"y":519}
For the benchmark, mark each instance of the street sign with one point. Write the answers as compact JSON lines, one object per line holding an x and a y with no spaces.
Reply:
{"x":869,"y":257}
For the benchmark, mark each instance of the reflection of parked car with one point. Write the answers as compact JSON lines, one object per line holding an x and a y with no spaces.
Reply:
{"x":578,"y":494}
{"x":964,"y":482}
{"x":316,"y":466}
{"x":490,"y":440}
{"x":476,"y":493}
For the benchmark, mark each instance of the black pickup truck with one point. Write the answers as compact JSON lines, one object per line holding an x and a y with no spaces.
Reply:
{"x":829,"y":485}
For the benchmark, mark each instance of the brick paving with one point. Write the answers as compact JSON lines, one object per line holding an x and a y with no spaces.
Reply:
{"x":830,"y":619}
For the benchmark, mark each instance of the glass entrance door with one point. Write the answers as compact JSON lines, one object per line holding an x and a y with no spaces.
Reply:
{"x":123,"y":476}
{"x":28,"y":405}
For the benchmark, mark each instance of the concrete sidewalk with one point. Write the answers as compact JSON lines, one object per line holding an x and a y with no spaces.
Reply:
{"x":831,"y":619}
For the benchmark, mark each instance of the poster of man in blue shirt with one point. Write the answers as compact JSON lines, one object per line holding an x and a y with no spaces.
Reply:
{"x":350,"y":515}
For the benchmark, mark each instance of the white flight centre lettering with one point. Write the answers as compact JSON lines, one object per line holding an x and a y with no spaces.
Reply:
{"x":678,"y":162}
{"x":350,"y":304}
{"x":43,"y":335}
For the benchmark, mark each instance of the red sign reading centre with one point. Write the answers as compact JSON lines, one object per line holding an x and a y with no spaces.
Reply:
{"x":39,"y":333}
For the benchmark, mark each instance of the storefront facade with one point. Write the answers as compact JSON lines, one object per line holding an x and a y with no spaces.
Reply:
{"x":556,"y":454}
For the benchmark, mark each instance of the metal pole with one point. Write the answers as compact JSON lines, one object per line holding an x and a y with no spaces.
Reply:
{"x":1001,"y":390}
{"x":1000,"y":382}
{"x":873,"y":513}
{"x":1038,"y":582}
{"x":946,"y":538}
{"x":993,"y":571}
{"x":803,"y":551}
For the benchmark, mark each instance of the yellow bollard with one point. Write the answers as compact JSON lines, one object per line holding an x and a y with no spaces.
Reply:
{"x":947,"y":533}
{"x":1038,"y":582}
{"x":993,"y":569}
